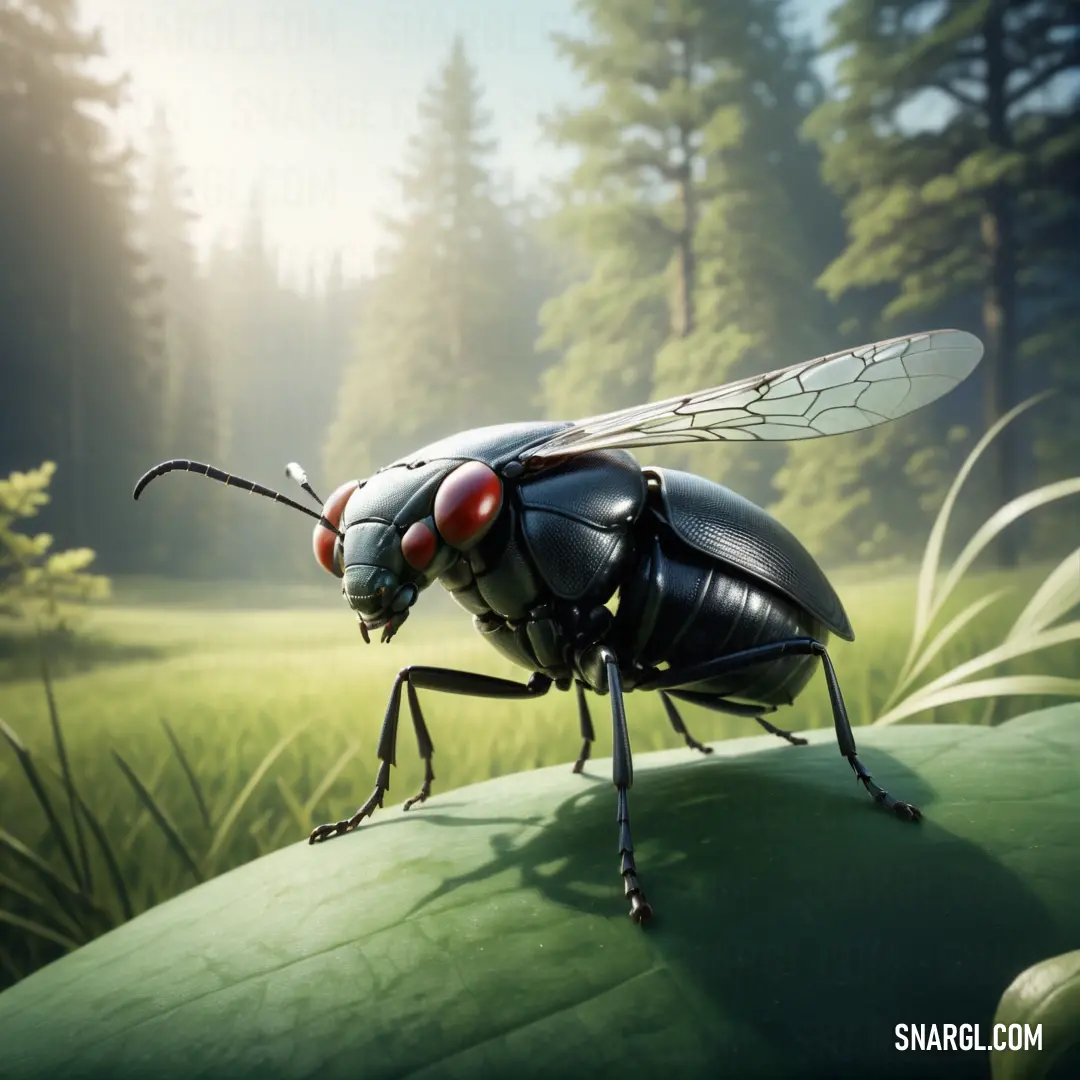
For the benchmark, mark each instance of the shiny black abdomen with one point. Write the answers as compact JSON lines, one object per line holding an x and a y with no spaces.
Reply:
{"x":679,"y":609}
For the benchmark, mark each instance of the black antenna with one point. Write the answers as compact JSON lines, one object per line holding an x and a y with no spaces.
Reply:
{"x":295,"y":472}
{"x":230,"y":481}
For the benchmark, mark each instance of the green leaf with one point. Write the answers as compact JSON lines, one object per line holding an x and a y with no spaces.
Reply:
{"x":1046,"y":995}
{"x":485,"y":934}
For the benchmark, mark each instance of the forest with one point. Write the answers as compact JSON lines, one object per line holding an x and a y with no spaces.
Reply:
{"x":727,"y":214}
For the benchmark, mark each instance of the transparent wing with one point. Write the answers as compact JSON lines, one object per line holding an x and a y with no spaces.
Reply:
{"x":830,"y":395}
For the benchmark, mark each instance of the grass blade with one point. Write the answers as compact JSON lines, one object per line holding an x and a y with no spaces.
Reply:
{"x":47,"y":912}
{"x":1004,"y":686}
{"x":327,"y":782}
{"x":113,"y":867}
{"x":229,"y":820}
{"x":284,"y":834}
{"x":189,"y":772}
{"x":258,"y":827}
{"x":163,"y":823}
{"x":143,"y":816}
{"x":293,"y":805}
{"x":35,"y":928}
{"x":83,"y":874}
{"x":1000,"y":520}
{"x":947,"y":633}
{"x":62,"y":891}
{"x":33,"y":777}
{"x":8,"y":964}
{"x":1059,"y":593}
{"x":928,"y":571}
{"x":21,"y":891}
{"x":1010,"y":650}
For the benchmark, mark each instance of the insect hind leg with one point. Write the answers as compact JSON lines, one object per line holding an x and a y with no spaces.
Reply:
{"x":687,"y":676}
{"x":733,"y":708}
{"x":783,"y":733}
{"x":679,"y":725}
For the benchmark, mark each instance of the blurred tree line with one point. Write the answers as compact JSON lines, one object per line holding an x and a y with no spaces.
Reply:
{"x":730,"y":211}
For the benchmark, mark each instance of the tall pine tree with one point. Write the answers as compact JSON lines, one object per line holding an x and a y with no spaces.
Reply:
{"x":697,"y":207}
{"x":443,"y":342}
{"x":75,"y":360}
{"x":189,"y":424}
{"x":955,"y":139}
{"x":279,"y":351}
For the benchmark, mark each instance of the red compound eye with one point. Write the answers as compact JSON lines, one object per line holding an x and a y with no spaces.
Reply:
{"x":323,"y":540}
{"x":418,"y":545}
{"x":467,"y":503}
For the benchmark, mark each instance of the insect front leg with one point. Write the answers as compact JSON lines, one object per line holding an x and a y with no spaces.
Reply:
{"x":423,"y":745}
{"x":412,"y":679}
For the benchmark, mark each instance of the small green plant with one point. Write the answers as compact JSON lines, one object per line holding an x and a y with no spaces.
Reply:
{"x":39,"y":590}
{"x":39,"y":587}
{"x":1032,"y":631}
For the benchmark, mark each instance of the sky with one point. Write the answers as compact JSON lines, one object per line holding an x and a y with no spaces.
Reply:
{"x":313,"y":101}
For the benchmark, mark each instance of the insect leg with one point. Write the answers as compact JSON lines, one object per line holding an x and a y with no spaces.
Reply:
{"x":448,"y":681}
{"x":845,"y":738}
{"x":679,"y":726}
{"x":622,"y":774}
{"x":737,"y":708}
{"x":674,"y":677}
{"x":791,"y":737}
{"x":423,"y":744}
{"x":588,"y":736}
{"x":387,"y":757}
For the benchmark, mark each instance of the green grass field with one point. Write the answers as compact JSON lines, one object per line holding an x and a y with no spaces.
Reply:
{"x":240,"y":674}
